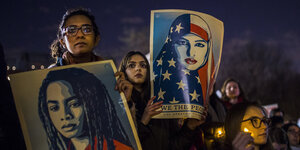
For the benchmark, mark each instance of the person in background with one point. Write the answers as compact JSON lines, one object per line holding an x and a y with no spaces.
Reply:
{"x":158,"y":134}
{"x":279,"y":139}
{"x":276,"y":121}
{"x":11,"y":136}
{"x":232,"y":93}
{"x":276,"y":112}
{"x":293,"y":133}
{"x":246,"y":128}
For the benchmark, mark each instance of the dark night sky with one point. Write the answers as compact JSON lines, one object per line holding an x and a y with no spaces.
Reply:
{"x":30,"y":26}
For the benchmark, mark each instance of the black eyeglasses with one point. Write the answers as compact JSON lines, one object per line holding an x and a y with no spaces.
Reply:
{"x":72,"y":30}
{"x":256,"y":121}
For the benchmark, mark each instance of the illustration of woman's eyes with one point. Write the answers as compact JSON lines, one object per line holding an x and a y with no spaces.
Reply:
{"x":182,"y":42}
{"x":74,"y":103}
{"x":54,"y":108}
{"x":199,"y":44}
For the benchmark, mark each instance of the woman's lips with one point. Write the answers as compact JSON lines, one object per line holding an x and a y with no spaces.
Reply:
{"x":264,"y":134}
{"x":190,"y":61}
{"x":68,"y":127}
{"x":80,"y":44}
{"x":138,"y":75}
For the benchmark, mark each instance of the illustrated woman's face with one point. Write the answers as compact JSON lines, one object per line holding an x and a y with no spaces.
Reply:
{"x":232,"y":89}
{"x":259,"y":133}
{"x":192,"y":51}
{"x":65,"y":109}
{"x":79,"y":41}
{"x":136,"y":69}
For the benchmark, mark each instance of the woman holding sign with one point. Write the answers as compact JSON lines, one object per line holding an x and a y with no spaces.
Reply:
{"x":159,"y":134}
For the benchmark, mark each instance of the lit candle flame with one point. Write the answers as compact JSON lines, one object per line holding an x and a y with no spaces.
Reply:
{"x":247,"y":131}
{"x":219,"y":132}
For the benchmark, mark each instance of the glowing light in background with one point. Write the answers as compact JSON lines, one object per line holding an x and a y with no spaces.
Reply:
{"x":32,"y":66}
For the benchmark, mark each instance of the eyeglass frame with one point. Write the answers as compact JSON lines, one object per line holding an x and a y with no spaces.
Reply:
{"x":65,"y":30}
{"x":264,"y":119}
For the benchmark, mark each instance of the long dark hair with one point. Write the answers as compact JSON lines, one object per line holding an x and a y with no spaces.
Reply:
{"x":56,"y":48}
{"x":101,"y":121}
{"x":233,"y":122}
{"x":223,"y":89}
{"x":146,"y":85}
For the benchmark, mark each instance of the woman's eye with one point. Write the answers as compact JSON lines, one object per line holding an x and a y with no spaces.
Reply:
{"x":199,"y":45}
{"x":87,"y":29}
{"x":74,"y":103}
{"x":255,"y":121}
{"x":182,"y":42}
{"x":54,"y":108}
{"x":131,"y":66}
{"x":72,"y":29}
{"x":143,"y":65}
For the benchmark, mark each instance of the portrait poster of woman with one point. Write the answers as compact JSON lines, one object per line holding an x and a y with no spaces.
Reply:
{"x":185,"y":53}
{"x":73,"y":107}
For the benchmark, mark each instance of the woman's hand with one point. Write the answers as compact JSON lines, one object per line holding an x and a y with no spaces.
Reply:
{"x":194,"y":123}
{"x":123,"y":85}
{"x":151,"y":110}
{"x":243,"y":141}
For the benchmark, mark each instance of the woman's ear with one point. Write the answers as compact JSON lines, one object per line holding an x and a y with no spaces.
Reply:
{"x":62,"y":42}
{"x":97,"y":40}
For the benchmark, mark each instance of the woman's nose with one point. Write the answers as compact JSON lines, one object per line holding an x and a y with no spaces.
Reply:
{"x":66,"y":114}
{"x":190,"y":50}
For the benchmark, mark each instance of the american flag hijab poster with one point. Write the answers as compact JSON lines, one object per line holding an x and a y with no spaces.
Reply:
{"x":185,"y":48}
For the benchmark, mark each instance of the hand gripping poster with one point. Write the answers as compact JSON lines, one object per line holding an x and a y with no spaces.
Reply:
{"x":185,"y":48}
{"x":73,"y":107}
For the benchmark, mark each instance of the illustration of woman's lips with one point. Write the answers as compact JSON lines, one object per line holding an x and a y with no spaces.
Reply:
{"x":69,"y":127}
{"x":190,"y":61}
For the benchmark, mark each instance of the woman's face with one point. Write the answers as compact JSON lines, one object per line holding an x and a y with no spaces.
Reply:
{"x":65,"y":109}
{"x":293,"y":134}
{"x":192,"y":50}
{"x":232,"y":89}
{"x":136,"y":69}
{"x":259,"y":134}
{"x":79,"y":42}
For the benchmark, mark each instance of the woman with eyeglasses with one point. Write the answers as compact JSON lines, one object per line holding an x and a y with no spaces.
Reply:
{"x":77,"y":37}
{"x":246,"y":128}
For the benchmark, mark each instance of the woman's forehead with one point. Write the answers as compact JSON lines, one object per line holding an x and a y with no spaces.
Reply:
{"x":253,"y":111}
{"x":136,"y":58}
{"x":78,"y":20}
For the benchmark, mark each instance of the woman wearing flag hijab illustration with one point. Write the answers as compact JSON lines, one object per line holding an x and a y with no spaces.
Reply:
{"x":183,"y":66}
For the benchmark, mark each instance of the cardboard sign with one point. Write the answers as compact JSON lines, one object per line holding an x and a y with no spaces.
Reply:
{"x":73,"y":107}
